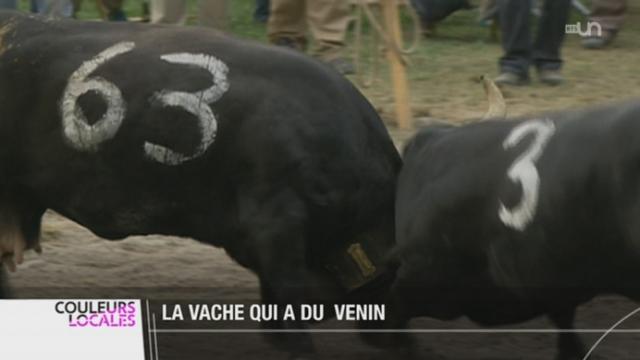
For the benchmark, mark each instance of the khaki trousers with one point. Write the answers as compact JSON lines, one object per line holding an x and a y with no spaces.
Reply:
{"x":327,"y":20}
{"x":211,"y":13}
{"x":609,"y":13}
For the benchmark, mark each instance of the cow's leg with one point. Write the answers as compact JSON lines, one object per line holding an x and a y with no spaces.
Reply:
{"x":18,"y":223}
{"x":570,"y":347}
{"x":396,"y":318}
{"x":282,"y":283}
{"x":398,"y":302}
{"x":4,"y":284}
{"x":299,"y":345}
{"x":277,"y":247}
{"x":268,"y":297}
{"x":19,"y":229}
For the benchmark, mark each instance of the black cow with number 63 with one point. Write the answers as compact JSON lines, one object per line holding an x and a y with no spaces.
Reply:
{"x":133,"y":129}
{"x":506,"y":220}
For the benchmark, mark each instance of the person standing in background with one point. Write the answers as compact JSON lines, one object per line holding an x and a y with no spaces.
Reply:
{"x":520,"y":52}
{"x":610,"y":15}
{"x":112,"y":10}
{"x":261,"y":13}
{"x":327,"y":20}
{"x":57,"y":8}
{"x":211,"y":13}
{"x":8,"y":4}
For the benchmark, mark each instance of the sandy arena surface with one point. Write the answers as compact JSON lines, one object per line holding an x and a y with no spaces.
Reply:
{"x":77,"y":263}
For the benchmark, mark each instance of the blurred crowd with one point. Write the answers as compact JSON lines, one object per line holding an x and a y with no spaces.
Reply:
{"x":112,"y":9}
{"x":291,"y":23}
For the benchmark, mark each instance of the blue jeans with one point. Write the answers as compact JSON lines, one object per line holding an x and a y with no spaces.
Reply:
{"x":262,"y":11}
{"x":521,"y":51}
{"x":60,"y":8}
{"x":8,"y":4}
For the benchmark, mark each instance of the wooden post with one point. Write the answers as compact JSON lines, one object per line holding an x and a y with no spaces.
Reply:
{"x":398,"y":68}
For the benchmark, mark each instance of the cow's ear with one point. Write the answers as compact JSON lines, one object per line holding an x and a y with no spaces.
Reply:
{"x":497,"y":105}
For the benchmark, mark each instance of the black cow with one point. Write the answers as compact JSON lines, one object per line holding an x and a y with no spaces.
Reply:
{"x":433,"y":11}
{"x":131,"y":129}
{"x":503,"y":221}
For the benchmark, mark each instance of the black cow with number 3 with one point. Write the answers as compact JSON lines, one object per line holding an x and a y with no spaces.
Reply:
{"x":506,"y":220}
{"x":133,"y":129}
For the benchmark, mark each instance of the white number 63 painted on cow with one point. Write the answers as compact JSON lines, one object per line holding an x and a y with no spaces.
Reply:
{"x":524,"y":171}
{"x":85,"y":137}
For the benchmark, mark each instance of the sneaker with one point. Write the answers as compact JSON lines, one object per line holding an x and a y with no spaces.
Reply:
{"x":429,"y":29}
{"x":551,"y":77}
{"x":598,"y":42}
{"x":342,"y":65}
{"x":511,"y":79}
{"x":291,"y":43}
{"x":117,"y":15}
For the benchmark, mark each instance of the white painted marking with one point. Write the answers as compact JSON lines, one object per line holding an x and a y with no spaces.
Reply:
{"x":524,"y":171}
{"x":197,"y":103}
{"x":78,"y":132}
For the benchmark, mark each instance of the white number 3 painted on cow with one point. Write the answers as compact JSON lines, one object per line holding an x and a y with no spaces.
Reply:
{"x":524,"y":171}
{"x":195,"y":103}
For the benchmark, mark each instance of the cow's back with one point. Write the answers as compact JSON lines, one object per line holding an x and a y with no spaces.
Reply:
{"x":460,"y":188}
{"x":284,"y":123}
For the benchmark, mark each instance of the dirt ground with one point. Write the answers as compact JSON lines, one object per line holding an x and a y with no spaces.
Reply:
{"x":444,"y":73}
{"x":76,"y":263}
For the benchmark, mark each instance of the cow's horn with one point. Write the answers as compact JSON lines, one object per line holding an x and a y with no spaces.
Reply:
{"x":497,"y":105}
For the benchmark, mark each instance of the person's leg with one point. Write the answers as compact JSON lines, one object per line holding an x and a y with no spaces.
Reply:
{"x":213,"y":13}
{"x":57,"y":8}
{"x":115,"y":12}
{"x":286,"y":25}
{"x":8,"y":4}
{"x":65,"y":8}
{"x":261,"y":13}
{"x":328,"y":21}
{"x":39,"y":6}
{"x":77,"y":6}
{"x":168,"y":11}
{"x":516,"y":41}
{"x":609,"y":14}
{"x":551,"y":33}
